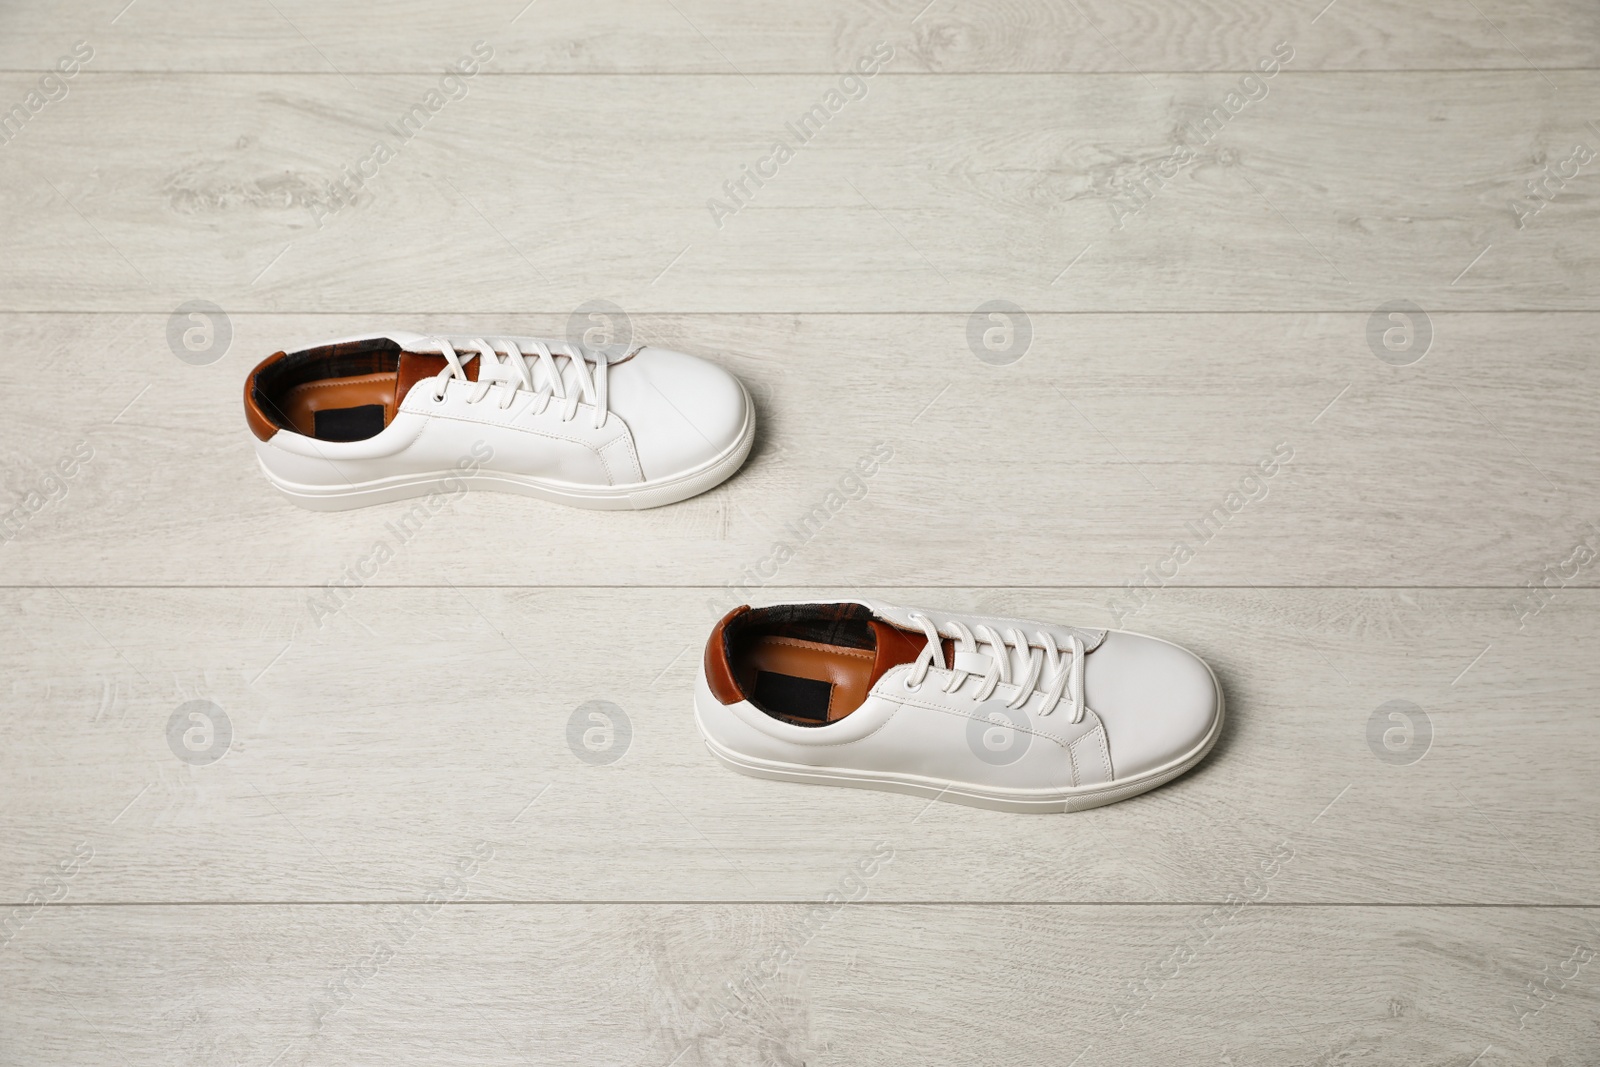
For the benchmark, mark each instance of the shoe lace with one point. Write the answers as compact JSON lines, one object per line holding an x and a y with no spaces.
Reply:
{"x":586,"y":385}
{"x":1043,"y":651}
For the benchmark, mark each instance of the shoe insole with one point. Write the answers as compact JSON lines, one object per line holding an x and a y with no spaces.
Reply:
{"x":341,"y":409}
{"x":806,"y":681}
{"x":356,"y":407}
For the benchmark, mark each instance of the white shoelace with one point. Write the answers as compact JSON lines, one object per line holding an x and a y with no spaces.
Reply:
{"x":590,"y":386}
{"x":1041,"y":652}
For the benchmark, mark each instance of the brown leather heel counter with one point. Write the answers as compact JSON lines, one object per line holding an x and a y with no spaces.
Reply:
{"x":259,"y":423}
{"x":719,"y":672}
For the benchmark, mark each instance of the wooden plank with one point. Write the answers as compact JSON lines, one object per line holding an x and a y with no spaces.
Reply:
{"x":1113,"y":439}
{"x":1054,"y":192}
{"x":721,"y":36}
{"x":866,"y":985}
{"x":365,"y":743}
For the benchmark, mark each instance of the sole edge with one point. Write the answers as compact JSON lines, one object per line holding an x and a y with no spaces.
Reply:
{"x":1055,"y":802}
{"x":639,"y":496}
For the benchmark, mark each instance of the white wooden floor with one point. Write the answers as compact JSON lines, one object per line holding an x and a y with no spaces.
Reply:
{"x":389,"y":849}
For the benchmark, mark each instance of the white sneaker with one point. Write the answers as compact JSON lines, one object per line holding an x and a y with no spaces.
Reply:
{"x":368,"y":419}
{"x":997,"y":713}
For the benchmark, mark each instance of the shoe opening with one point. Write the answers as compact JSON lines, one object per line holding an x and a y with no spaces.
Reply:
{"x":339,"y":392}
{"x":811,"y":664}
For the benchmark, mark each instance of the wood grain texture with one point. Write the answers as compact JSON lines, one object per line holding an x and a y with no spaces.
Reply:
{"x":366,"y":741}
{"x":1326,"y":888}
{"x":723,"y":36}
{"x":872,"y":985}
{"x":1110,"y":441}
{"x":1331,"y":192}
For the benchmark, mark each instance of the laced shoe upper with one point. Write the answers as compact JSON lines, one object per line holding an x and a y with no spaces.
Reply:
{"x":1045,"y":671}
{"x":504,"y":364}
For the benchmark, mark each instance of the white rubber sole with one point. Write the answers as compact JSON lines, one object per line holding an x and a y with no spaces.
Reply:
{"x":635,"y":497}
{"x":1025,"y":801}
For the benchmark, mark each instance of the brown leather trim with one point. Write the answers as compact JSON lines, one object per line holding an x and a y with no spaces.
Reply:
{"x":260,"y":425}
{"x":896,"y":646}
{"x":415,"y":366}
{"x":719,"y":675}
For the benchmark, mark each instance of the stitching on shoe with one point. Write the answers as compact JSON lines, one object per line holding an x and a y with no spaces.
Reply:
{"x":795,"y":642}
{"x":840,"y":744}
{"x":361,"y":378}
{"x":509,"y":426}
{"x":1099,"y":732}
{"x":1057,"y":738}
{"x":627,"y":436}
{"x":610,"y":474}
{"x":605,"y":464}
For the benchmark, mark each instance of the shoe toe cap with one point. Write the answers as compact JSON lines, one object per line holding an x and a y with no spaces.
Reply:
{"x":1158,"y":702}
{"x":682,"y":410}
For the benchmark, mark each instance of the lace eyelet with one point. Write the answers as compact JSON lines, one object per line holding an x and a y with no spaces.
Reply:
{"x":906,"y":684}
{"x":438,"y":398}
